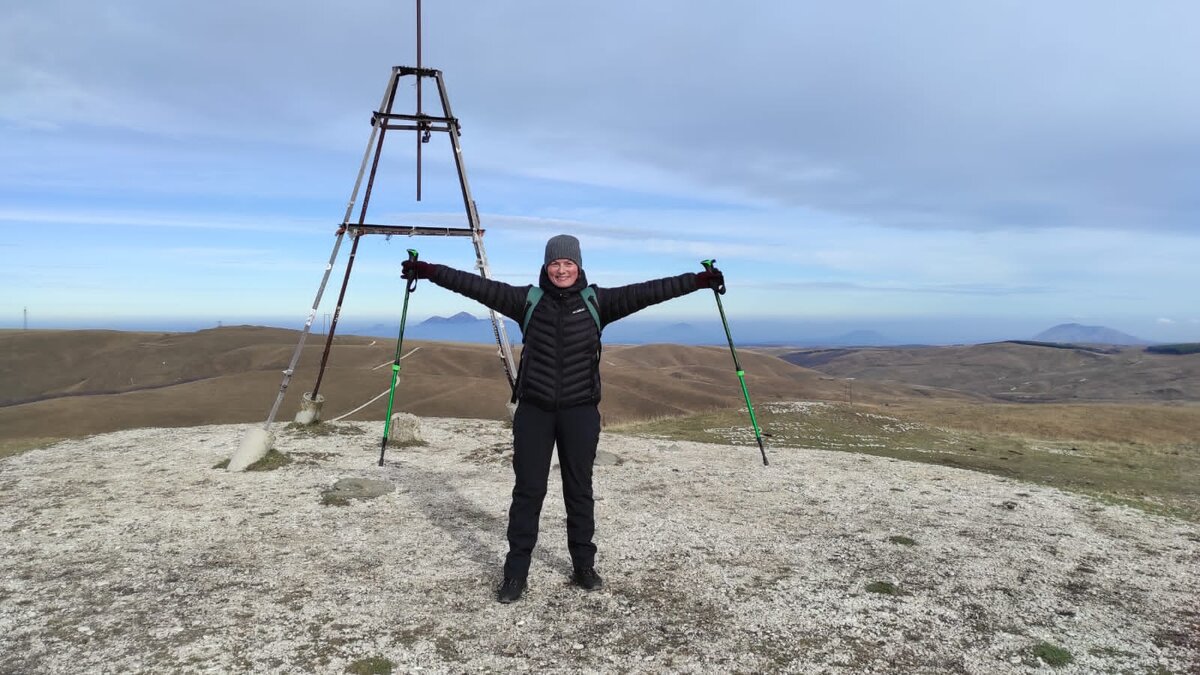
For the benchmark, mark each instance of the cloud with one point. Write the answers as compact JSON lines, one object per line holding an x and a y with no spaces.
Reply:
{"x":937,"y":289}
{"x":168,"y":220}
{"x":924,"y":115}
{"x":920,"y":156}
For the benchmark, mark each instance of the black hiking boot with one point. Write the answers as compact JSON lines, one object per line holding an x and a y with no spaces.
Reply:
{"x":587,"y":579}
{"x":510,"y":589}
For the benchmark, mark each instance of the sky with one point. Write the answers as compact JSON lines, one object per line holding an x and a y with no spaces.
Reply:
{"x":937,"y":171}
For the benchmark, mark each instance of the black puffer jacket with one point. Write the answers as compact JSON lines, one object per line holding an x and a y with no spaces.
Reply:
{"x":560,"y":364}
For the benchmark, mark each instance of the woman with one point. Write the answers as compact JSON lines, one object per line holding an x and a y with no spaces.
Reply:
{"x":558,"y":389}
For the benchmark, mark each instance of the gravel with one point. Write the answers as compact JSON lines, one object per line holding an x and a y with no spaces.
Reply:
{"x":130,"y":552}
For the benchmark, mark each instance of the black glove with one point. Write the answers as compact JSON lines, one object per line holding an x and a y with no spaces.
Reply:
{"x":416,"y":269}
{"x":711,"y":278}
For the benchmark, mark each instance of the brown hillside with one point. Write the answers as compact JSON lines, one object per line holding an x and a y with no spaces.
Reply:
{"x":1018,"y":372}
{"x":47,"y":364}
{"x":74,"y":383}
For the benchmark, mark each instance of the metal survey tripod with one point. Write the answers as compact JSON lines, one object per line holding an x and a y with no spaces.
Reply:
{"x":385,"y":119}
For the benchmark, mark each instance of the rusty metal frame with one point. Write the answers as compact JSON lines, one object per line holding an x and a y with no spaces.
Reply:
{"x":382,"y":121}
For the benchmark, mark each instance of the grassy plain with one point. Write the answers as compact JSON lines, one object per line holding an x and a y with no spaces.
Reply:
{"x":1146,"y":456}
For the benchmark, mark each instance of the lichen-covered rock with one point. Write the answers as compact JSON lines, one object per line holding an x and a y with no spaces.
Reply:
{"x":605,"y":458}
{"x":357,"y":488}
{"x":405,"y":429}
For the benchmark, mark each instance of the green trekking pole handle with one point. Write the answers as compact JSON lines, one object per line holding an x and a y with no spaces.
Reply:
{"x":387,"y":424}
{"x":717,"y":292}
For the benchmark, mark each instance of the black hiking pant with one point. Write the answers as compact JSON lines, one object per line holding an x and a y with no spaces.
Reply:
{"x":575,"y":431}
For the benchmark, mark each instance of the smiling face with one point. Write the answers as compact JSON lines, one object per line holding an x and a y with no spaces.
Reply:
{"x":563,"y":272}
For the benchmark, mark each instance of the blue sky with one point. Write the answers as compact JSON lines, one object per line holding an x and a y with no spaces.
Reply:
{"x":939,"y":171}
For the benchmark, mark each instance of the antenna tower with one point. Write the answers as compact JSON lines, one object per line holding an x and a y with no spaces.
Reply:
{"x":356,"y":225}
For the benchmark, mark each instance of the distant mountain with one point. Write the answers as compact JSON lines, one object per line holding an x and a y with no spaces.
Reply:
{"x":460,"y":318}
{"x":677,"y":333}
{"x":461,"y":327}
{"x":1078,"y":333}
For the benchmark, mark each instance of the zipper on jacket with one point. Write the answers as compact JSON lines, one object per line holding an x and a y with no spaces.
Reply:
{"x":559,"y":347}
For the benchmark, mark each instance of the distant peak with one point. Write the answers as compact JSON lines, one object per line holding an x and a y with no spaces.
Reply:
{"x":1079,"y":333}
{"x":461,"y":317}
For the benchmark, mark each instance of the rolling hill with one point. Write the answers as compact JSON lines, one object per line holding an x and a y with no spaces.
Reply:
{"x":72,"y":383}
{"x":1020,"y":371}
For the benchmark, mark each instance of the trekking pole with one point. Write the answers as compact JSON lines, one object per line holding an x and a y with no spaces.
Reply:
{"x":717,"y":292}
{"x":387,"y":424}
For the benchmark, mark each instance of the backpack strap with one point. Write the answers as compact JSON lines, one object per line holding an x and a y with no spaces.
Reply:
{"x":589,"y":300}
{"x":531,"y":300}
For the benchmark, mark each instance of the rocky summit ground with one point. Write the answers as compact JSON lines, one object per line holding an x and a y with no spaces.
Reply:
{"x":130,"y":552}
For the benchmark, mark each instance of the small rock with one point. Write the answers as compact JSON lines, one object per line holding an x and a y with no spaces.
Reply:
{"x":605,"y":458}
{"x":358,"y":488}
{"x":405,"y":428}
{"x":577,"y":646}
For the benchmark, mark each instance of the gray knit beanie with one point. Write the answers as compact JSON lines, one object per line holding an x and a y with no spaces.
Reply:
{"x":563,"y":246}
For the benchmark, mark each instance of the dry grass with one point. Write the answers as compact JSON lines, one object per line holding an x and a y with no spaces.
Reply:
{"x":10,"y":447}
{"x":1154,"y":466}
{"x":1120,"y":423}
